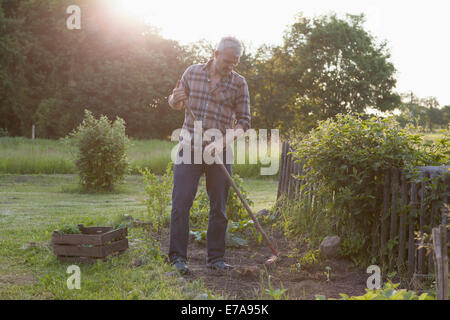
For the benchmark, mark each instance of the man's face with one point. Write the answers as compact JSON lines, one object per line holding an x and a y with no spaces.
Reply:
{"x":225,"y":61}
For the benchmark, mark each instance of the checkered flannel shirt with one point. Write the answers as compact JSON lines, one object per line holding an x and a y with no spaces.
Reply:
{"x":220,"y":107}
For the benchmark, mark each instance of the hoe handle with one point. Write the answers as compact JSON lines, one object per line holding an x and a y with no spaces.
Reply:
{"x":250,"y":213}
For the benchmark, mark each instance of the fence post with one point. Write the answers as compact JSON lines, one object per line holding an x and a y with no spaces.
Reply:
{"x":288,"y":172}
{"x":393,"y":229}
{"x":280,"y":177}
{"x":384,"y":216}
{"x":441,"y":261}
{"x":403,"y":215}
{"x":411,"y":225}
{"x":422,"y":221}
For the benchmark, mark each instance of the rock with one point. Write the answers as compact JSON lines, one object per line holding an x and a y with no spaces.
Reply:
{"x":330,"y":246}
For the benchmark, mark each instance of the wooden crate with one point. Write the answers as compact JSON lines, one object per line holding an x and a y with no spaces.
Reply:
{"x":94,"y":243}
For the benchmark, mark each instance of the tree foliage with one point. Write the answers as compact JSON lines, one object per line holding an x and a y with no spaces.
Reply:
{"x":116,"y":65}
{"x":336,"y":67}
{"x":113,"y":66}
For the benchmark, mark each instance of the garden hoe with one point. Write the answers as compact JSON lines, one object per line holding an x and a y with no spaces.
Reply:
{"x":274,"y":257}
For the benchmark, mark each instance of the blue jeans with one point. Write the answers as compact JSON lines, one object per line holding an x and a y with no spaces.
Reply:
{"x":185,"y":182}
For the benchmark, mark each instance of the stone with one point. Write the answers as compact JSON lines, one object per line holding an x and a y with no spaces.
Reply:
{"x":330,"y":246}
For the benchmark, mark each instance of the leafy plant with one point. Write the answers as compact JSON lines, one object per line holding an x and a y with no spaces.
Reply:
{"x":388,"y":292}
{"x":158,"y":190}
{"x":327,"y":273}
{"x":271,"y":292}
{"x":101,"y":158}
{"x":238,"y":221}
{"x":235,"y":209}
{"x":310,"y":258}
{"x":69,"y":229}
{"x":344,"y":162}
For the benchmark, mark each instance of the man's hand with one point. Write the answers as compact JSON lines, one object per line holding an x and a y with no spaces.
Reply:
{"x":177,"y":98}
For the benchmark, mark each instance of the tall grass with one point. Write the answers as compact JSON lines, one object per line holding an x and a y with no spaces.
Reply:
{"x":24,"y":156}
{"x":20,"y":155}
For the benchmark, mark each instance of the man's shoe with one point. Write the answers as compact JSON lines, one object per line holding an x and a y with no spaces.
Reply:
{"x":181,"y":266}
{"x":219,"y":265}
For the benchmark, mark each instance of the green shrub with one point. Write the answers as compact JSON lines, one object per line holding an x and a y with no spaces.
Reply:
{"x":101,"y":158}
{"x":388,"y":292}
{"x":159,"y":192}
{"x":344,"y":161}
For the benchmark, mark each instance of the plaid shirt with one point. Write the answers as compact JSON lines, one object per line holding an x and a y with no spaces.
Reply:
{"x":219,"y":107}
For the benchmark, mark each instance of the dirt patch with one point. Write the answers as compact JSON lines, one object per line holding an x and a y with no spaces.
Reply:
{"x":249,"y":279}
{"x":19,"y":280}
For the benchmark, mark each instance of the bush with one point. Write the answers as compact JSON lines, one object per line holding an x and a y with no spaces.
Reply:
{"x":159,"y":192}
{"x":101,"y":158}
{"x":388,"y":292}
{"x":345,"y":160}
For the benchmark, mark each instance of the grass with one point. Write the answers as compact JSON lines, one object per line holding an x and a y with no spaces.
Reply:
{"x":20,"y":155}
{"x":33,"y":206}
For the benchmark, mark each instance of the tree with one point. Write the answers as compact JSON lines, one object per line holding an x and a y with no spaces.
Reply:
{"x":12,"y":65}
{"x":432,"y":111}
{"x":335,"y":66}
{"x":114,"y":65}
{"x":268,"y":87}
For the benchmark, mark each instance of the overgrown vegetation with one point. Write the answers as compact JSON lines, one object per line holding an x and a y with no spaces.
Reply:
{"x":101,"y":157}
{"x":159,"y":191}
{"x":388,"y":292}
{"x":344,"y":163}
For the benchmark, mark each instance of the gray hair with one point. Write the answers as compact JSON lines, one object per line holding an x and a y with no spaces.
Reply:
{"x":232,"y":43}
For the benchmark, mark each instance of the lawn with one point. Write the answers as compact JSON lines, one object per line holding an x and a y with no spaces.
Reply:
{"x":20,"y":155}
{"x":33,"y":206}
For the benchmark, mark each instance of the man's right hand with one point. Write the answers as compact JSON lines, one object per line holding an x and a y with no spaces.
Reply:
{"x":176,"y":100}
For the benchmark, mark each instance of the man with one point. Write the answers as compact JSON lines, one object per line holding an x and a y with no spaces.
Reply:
{"x":218,"y":97}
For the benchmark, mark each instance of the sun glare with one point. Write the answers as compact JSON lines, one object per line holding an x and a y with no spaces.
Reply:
{"x":140,"y":8}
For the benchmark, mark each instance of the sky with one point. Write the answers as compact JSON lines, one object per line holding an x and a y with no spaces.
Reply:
{"x":416,"y":31}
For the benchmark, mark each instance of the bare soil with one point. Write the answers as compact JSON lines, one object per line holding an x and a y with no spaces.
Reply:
{"x":249,"y":278}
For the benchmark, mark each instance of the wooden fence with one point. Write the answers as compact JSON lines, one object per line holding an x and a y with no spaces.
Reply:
{"x":440,"y":255}
{"x":405,"y":212}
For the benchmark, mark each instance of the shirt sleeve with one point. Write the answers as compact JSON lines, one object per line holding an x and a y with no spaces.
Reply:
{"x":185,"y":81}
{"x":243,"y":106}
